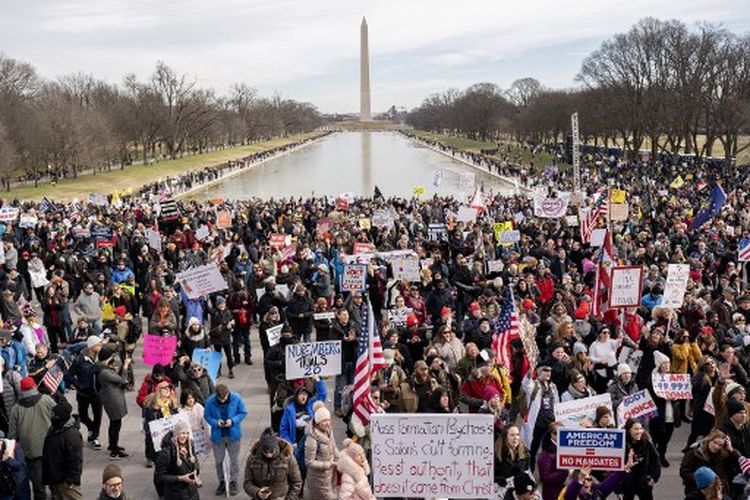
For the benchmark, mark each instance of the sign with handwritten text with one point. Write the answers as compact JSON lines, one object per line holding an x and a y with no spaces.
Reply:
{"x":672,"y":385}
{"x":626,"y":287}
{"x":308,"y":359}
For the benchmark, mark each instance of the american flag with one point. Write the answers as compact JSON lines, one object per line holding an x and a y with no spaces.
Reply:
{"x":369,"y":360}
{"x":53,"y":377}
{"x":744,"y":250}
{"x":506,"y":329}
{"x":588,"y":221}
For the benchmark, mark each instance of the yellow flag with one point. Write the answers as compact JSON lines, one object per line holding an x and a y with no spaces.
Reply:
{"x":677,"y":183}
{"x":617,"y":196}
{"x":418,"y":190}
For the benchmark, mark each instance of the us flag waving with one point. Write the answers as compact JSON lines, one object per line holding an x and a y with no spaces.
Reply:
{"x":588,"y":221}
{"x":506,"y":330}
{"x":369,"y":360}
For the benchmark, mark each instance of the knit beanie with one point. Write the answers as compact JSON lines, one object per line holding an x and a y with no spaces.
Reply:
{"x":579,"y":347}
{"x":745,"y":465}
{"x":660,"y":358}
{"x":268,"y":441}
{"x":703,"y":477}
{"x":353,"y":449}
{"x":111,"y":471}
{"x":105,"y":354}
{"x":623,"y":368}
{"x":27,"y":384}
{"x":490,"y":392}
{"x":321,"y":412}
{"x":734,"y":407}
{"x":181,"y":426}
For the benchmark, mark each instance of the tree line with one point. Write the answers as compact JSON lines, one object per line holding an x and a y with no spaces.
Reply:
{"x":660,"y":86}
{"x":60,"y":128}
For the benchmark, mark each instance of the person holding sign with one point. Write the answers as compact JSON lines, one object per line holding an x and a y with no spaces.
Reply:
{"x":177,"y":467}
{"x":161,"y":403}
{"x":662,"y":425}
{"x":222,"y":325}
{"x":647,"y":469}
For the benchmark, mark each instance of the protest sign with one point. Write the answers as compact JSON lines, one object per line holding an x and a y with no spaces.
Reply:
{"x":202,"y":280}
{"x":202,"y":442}
{"x":678,"y":276}
{"x":551,"y":208}
{"x":274,"y":334}
{"x":223,"y":219}
{"x":495,"y":266}
{"x":323,"y":226}
{"x":426,"y":263}
{"x":8,"y":214}
{"x":625,"y":290}
{"x":279,"y":240}
{"x":154,"y":239}
{"x":637,"y":405}
{"x":98,"y":199}
{"x":158,"y":350}
{"x":437,"y":232}
{"x":342,"y":204}
{"x":500,"y":227}
{"x":597,"y":237}
{"x":365,"y":224}
{"x":308,"y":359}
{"x":202,"y":233}
{"x":672,"y":385}
{"x":397,"y":316}
{"x":618,"y":211}
{"x":618,"y":196}
{"x":162,"y":426}
{"x":424,"y":455}
{"x":508,"y":237}
{"x":354,"y":278}
{"x":324,"y":315}
{"x":466,"y":214}
{"x":600,"y":449}
{"x":209,"y":360}
{"x":418,"y":191}
{"x":364,"y":247}
{"x":631,"y":358}
{"x":437,"y":178}
{"x":571,"y":220}
{"x":581,"y":412}
{"x":708,"y":406}
{"x":27,"y":220}
{"x":406,"y":269}
{"x":382,"y":218}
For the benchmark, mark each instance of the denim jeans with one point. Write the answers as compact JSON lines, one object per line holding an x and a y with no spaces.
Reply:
{"x":346,"y":378}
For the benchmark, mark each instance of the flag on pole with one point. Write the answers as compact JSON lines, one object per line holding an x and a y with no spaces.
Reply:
{"x":588,"y":221}
{"x":603,"y":276}
{"x":744,"y":250}
{"x":52,"y":378}
{"x":506,"y":329}
{"x":46,"y":205}
{"x":718,"y":197}
{"x":478,"y":201}
{"x":369,"y":360}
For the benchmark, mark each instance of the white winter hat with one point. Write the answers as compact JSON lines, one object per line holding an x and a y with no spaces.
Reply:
{"x":660,"y":358}
{"x":623,"y":368}
{"x":321,"y":412}
{"x":194,"y":321}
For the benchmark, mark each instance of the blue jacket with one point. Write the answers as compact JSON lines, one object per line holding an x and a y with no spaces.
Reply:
{"x":14,"y":356}
{"x":649,"y":301}
{"x":121,"y":276}
{"x":236,"y":412}
{"x":288,"y":427}
{"x":194,"y":308}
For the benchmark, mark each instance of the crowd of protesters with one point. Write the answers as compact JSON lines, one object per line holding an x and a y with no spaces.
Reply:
{"x":82,"y":283}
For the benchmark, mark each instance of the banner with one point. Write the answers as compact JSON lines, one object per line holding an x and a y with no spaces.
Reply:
{"x":210,"y":361}
{"x":672,"y":385}
{"x":154,"y":239}
{"x":382,"y":218}
{"x":637,"y":405}
{"x":618,"y":212}
{"x":551,"y":208}
{"x":27,"y":220}
{"x":158,"y":350}
{"x":432,"y":456}
{"x":466,"y":214}
{"x":495,"y":266}
{"x":581,"y":412}
{"x":8,"y":214}
{"x":354,"y":278}
{"x":324,"y":315}
{"x":273,"y":334}
{"x":308,"y":359}
{"x":363,"y":247}
{"x":163,"y":426}
{"x":626,"y":287}
{"x":397,"y":317}
{"x":600,"y":449}
{"x":437,"y":232}
{"x":202,"y":280}
{"x":406,"y":269}
{"x":678,"y":276}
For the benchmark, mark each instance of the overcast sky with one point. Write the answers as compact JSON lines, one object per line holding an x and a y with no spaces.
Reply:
{"x":309,"y":49}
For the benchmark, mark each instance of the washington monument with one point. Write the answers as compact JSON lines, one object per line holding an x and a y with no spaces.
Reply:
{"x":364,"y":74}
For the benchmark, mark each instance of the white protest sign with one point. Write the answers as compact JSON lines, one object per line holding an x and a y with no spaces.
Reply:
{"x":308,"y":359}
{"x":324,"y":315}
{"x":397,"y":316}
{"x":638,"y":404}
{"x":495,"y":266}
{"x":161,"y":426}
{"x":708,"y":406}
{"x":600,"y":449}
{"x":382,"y":218}
{"x":466,"y":214}
{"x":678,"y":276}
{"x":597,"y":237}
{"x":154,"y":239}
{"x":672,"y":385}
{"x":571,"y":220}
{"x":354,"y":277}
{"x":625,"y":290}
{"x":406,"y":269}
{"x":202,"y":233}
{"x":27,"y":220}
{"x":618,"y":211}
{"x":581,"y":412}
{"x":512,"y":236}
{"x":201,"y":280}
{"x":8,"y":214}
{"x":551,"y":208}
{"x":274,"y":334}
{"x":432,"y":456}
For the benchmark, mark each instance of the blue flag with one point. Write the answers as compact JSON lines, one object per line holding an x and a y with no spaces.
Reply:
{"x":718,"y":197}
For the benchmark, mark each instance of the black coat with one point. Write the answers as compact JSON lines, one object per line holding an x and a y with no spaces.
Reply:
{"x":348,"y":347}
{"x":220,"y":333}
{"x":168,"y":470}
{"x":300,"y":306}
{"x":62,"y":461}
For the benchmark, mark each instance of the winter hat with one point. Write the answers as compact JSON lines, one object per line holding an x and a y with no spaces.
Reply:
{"x":576,"y":376}
{"x":268,"y":441}
{"x":737,"y":316}
{"x":105,"y":354}
{"x":703,"y":477}
{"x":93,"y":341}
{"x":220,"y":300}
{"x":353,"y":449}
{"x":321,"y":412}
{"x":490,"y":392}
{"x":474,"y":306}
{"x":582,"y":311}
{"x":660,"y":358}
{"x":623,"y":368}
{"x":193,"y":321}
{"x":579,"y":347}
{"x":411,"y":320}
{"x":523,"y":483}
{"x":181,"y":426}
{"x":527,"y":304}
{"x":27,"y":384}
{"x":445,"y":311}
{"x":731,"y":388}
{"x":111,"y":471}
{"x":745,"y":465}
{"x":734,"y":407}
{"x":62,"y":411}
{"x":602,"y":411}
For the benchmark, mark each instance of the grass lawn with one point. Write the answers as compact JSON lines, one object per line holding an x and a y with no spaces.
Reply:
{"x":135,"y":176}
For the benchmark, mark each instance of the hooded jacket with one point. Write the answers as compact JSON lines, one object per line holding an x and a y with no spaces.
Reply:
{"x":30,"y":420}
{"x":63,"y":453}
{"x":354,"y":483}
{"x":281,"y":474}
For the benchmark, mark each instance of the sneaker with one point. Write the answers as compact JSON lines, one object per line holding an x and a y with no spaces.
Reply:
{"x":231,"y":374}
{"x":221,"y":490}
{"x":233,"y":490}
{"x":249,"y":362}
{"x":96,"y":444}
{"x":663,"y":461}
{"x":149,"y":464}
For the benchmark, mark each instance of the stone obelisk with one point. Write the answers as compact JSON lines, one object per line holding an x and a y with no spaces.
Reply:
{"x":364,"y":74}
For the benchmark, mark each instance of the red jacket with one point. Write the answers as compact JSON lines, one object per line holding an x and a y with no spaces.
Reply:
{"x":546,"y":288}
